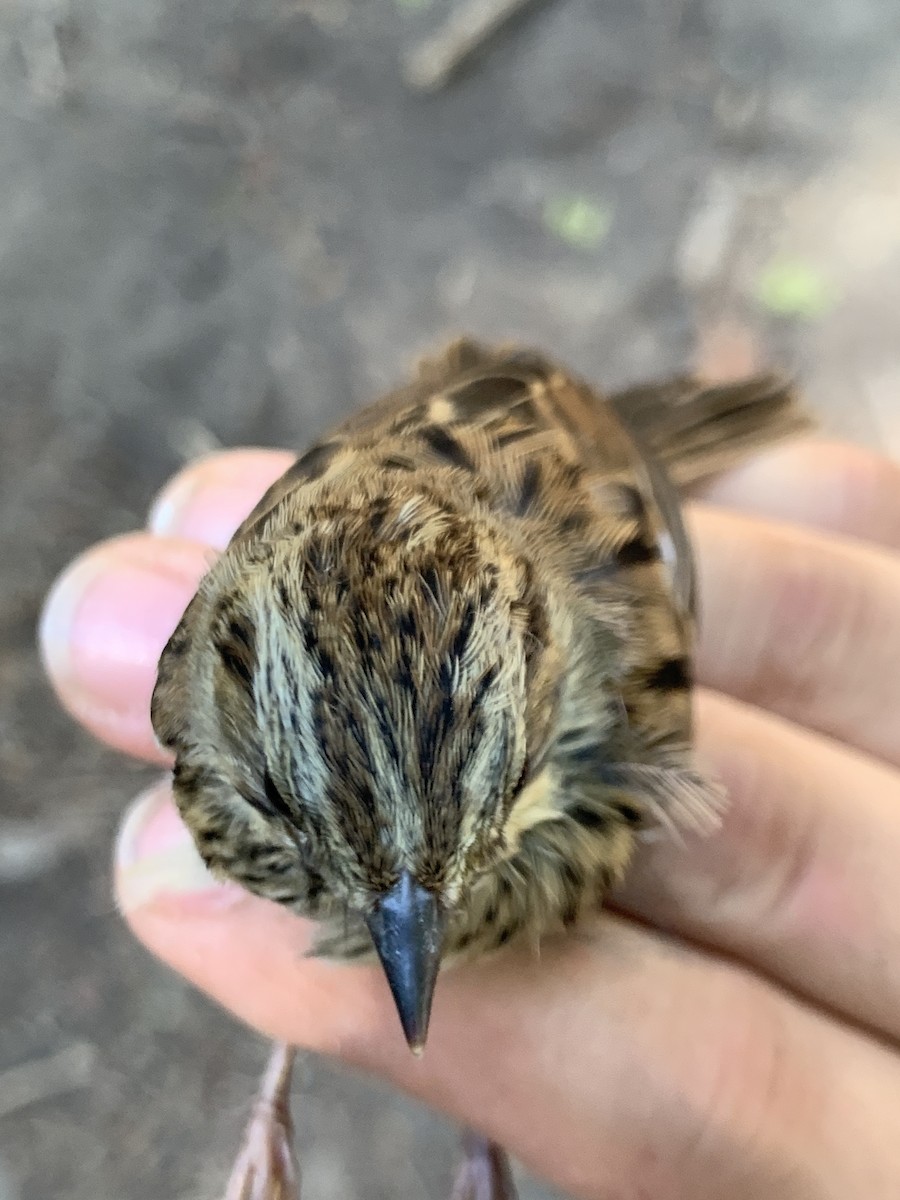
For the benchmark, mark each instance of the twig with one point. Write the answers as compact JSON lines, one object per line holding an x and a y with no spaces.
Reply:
{"x":430,"y":65}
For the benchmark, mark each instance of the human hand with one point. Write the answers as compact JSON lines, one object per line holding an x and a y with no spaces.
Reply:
{"x":733,"y":1029}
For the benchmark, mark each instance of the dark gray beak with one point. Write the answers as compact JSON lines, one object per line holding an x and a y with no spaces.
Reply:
{"x":407,"y":926}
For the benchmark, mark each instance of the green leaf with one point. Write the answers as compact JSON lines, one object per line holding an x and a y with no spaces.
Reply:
{"x":796,"y":288}
{"x":578,"y":220}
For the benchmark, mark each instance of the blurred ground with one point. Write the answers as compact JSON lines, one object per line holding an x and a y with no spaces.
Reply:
{"x":230,"y":223}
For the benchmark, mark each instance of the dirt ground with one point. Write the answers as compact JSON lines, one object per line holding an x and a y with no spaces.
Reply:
{"x":226,"y":223}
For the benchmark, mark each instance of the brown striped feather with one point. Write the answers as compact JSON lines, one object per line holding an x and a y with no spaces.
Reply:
{"x":457,"y":634}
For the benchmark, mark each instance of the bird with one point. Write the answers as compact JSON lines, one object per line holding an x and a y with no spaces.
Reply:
{"x":440,"y":681}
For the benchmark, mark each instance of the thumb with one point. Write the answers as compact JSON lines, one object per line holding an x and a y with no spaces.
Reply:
{"x":621,"y":1057}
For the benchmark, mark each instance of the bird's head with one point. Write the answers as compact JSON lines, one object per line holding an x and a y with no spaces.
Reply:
{"x":353,"y":709}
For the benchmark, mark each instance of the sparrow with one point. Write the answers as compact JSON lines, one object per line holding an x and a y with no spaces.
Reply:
{"x":439,"y":683}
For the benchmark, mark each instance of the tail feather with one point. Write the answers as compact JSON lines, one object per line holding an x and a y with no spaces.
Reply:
{"x":697,"y":430}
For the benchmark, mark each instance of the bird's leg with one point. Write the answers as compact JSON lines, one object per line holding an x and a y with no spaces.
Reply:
{"x":485,"y":1173}
{"x":265,"y":1168}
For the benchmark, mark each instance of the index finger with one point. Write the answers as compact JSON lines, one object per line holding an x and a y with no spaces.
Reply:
{"x":830,"y":486}
{"x":102,"y":661}
{"x":804,"y":625}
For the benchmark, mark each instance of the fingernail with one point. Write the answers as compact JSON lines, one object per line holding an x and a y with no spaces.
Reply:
{"x":173,"y":502}
{"x":209,"y":499}
{"x":109,"y":615}
{"x":202,"y":511}
{"x":156,"y":856}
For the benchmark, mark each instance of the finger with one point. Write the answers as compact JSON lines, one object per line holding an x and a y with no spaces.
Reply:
{"x":801,"y":880}
{"x":208,"y":499}
{"x":617,"y":1060}
{"x":110,"y":613}
{"x":830,"y":486}
{"x":801,"y":624}
{"x":103,"y":628}
{"x":106,"y":697}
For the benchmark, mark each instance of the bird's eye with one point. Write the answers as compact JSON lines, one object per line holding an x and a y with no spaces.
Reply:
{"x":275,"y":799}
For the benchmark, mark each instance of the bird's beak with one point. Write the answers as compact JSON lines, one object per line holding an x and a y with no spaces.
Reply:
{"x":407,"y":925}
